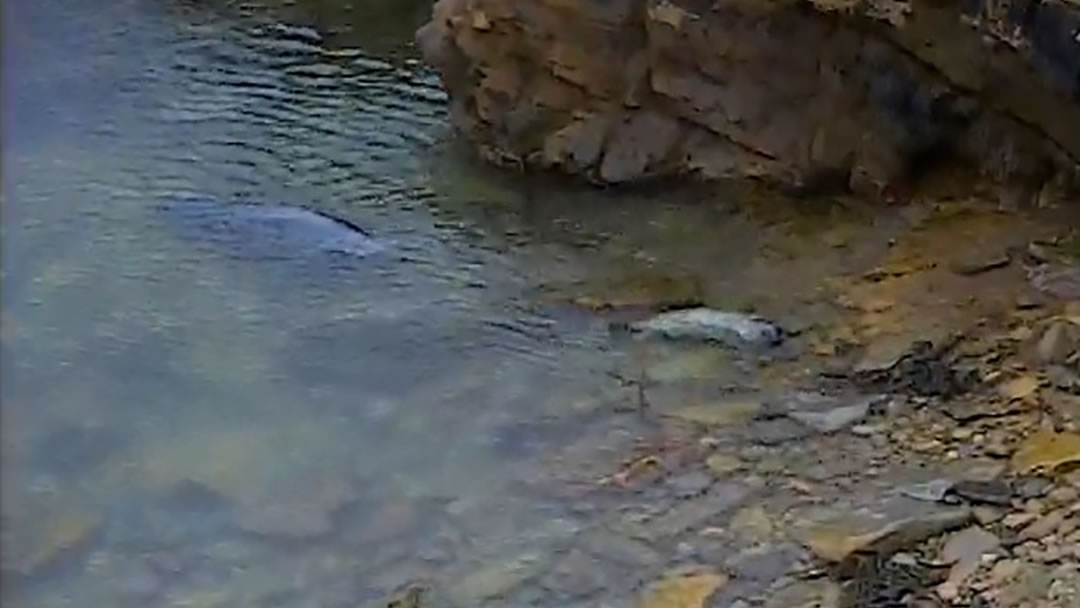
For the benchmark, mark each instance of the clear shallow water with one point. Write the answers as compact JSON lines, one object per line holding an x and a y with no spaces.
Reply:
{"x":183,"y":427}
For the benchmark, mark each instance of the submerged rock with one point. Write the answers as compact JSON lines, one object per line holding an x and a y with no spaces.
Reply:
{"x":719,"y":413}
{"x":48,"y":534}
{"x":723,"y":497}
{"x":705,"y":324}
{"x":497,"y":579}
{"x":303,"y":513}
{"x":73,"y":450}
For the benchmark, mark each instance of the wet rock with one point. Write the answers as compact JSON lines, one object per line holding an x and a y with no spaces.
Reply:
{"x":987,"y":515}
{"x":994,"y":492}
{"x":775,"y":431}
{"x":305,"y":512}
{"x":575,"y":575}
{"x":704,"y":324}
{"x":898,"y":523}
{"x":934,"y":490}
{"x":682,"y":590}
{"x":1045,"y":451}
{"x":965,"y":550}
{"x":695,"y":512}
{"x":1043,"y":526}
{"x":497,"y":579}
{"x":620,"y":549}
{"x":979,"y":264}
{"x":826,"y":414}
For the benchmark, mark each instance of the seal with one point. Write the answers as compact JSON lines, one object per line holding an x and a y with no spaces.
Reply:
{"x":268,"y":231}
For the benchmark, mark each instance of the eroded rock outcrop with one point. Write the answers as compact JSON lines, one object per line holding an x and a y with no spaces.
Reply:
{"x":809,"y":93}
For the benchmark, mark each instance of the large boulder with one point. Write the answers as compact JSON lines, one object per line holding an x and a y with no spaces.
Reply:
{"x":860,"y":94}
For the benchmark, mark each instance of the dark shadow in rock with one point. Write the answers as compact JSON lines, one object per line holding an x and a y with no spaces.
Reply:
{"x":927,"y":370}
{"x":876,"y":581}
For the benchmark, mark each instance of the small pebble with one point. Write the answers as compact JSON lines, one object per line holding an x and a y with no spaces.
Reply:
{"x":962,"y":433}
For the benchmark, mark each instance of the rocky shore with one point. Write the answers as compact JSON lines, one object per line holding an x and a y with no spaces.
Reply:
{"x":866,"y":95}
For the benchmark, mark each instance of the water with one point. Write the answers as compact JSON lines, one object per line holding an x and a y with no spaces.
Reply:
{"x":186,"y":427}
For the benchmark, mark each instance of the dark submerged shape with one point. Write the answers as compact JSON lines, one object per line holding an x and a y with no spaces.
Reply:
{"x":268,"y":231}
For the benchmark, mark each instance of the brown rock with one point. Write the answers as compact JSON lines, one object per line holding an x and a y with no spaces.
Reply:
{"x":685,"y":82}
{"x":1045,"y":451}
{"x":679,"y":590}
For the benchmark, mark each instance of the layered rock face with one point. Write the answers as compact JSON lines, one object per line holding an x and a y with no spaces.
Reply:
{"x":860,"y":94}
